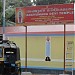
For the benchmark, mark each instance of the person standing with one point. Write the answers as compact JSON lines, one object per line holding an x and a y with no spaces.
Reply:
{"x":47,"y":50}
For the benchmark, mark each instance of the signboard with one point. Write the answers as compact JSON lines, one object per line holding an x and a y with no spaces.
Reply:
{"x":47,"y":14}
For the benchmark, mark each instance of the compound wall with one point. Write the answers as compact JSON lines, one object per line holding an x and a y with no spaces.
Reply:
{"x":36,"y":50}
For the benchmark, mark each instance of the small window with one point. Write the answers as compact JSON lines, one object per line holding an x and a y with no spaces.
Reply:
{"x":1,"y":52}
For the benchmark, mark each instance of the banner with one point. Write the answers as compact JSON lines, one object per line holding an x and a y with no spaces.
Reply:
{"x":47,"y":14}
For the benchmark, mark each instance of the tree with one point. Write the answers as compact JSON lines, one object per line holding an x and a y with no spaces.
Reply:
{"x":11,"y":10}
{"x":0,"y":12}
{"x":47,"y":2}
{"x":0,"y":6}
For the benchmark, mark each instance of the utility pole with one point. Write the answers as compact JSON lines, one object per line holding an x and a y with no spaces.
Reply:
{"x":4,"y":16}
{"x":3,"y":19}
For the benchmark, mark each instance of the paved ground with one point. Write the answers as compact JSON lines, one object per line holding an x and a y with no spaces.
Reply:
{"x":29,"y":73}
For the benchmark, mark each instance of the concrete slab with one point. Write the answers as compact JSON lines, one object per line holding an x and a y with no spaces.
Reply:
{"x":43,"y":74}
{"x":26,"y":73}
{"x":63,"y":74}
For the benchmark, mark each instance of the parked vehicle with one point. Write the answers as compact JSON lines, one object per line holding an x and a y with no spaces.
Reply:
{"x":9,"y":58}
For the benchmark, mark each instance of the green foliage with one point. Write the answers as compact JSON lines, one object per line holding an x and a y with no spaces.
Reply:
{"x":47,"y":2}
{"x":0,"y":12}
{"x":0,"y":6}
{"x":9,"y":12}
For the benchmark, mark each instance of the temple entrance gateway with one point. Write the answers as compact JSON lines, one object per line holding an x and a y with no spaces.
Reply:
{"x":44,"y":15}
